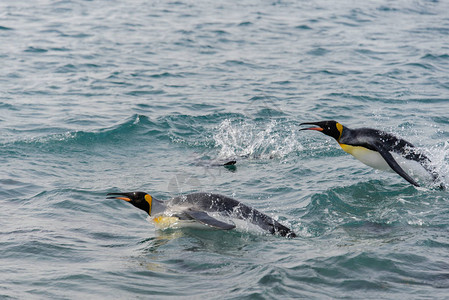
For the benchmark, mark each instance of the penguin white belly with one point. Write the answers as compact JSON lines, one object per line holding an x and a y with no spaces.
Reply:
{"x":165,"y":222}
{"x":368,"y":157}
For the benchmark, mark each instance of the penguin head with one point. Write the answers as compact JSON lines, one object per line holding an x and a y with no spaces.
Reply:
{"x":330,"y":128}
{"x":140,"y":200}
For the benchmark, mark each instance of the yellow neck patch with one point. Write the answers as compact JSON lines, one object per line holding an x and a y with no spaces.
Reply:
{"x":165,"y":221}
{"x":352,"y":149}
{"x":149,"y":199}
{"x":340,"y":129}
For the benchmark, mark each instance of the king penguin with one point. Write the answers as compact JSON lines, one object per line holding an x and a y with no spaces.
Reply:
{"x":197,"y":206}
{"x":374,"y":147}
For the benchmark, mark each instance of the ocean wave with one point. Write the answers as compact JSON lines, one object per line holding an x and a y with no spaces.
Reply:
{"x":369,"y":208}
{"x":137,"y":125}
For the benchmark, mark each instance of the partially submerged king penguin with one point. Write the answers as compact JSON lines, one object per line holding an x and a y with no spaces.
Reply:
{"x":374,"y":147}
{"x":197,"y":207}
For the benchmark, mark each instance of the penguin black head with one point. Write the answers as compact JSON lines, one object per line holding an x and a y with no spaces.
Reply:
{"x":140,"y":200}
{"x":330,"y":128}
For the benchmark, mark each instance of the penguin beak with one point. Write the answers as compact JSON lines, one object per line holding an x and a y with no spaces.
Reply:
{"x":121,"y":196}
{"x":311,"y":128}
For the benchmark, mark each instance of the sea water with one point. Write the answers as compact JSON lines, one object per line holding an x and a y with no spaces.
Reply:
{"x":110,"y":96}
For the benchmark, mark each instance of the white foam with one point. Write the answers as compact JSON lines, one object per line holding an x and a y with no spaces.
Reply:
{"x":255,"y":140}
{"x":439,"y":155}
{"x":240,"y":224}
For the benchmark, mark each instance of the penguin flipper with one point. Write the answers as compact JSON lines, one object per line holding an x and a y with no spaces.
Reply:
{"x":203,"y":218}
{"x":393,"y":164}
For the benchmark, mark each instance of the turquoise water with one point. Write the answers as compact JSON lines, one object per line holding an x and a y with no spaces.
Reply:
{"x":107,"y":96}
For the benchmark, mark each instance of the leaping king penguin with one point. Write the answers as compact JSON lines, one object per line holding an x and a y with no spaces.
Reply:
{"x":374,"y":147}
{"x":197,"y":206}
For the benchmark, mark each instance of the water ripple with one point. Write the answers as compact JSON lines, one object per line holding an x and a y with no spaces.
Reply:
{"x":99,"y":97}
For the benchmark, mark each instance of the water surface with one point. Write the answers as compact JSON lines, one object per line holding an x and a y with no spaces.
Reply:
{"x":106,"y":96}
